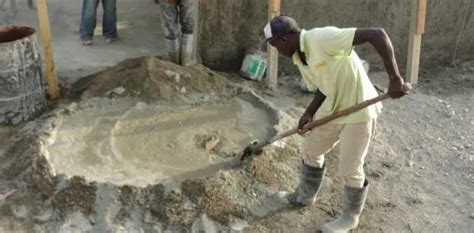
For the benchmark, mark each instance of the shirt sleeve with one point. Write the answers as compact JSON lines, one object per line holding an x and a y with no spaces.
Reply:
{"x":336,"y":41}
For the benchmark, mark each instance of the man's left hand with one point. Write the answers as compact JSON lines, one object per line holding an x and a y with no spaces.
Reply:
{"x":396,"y":89}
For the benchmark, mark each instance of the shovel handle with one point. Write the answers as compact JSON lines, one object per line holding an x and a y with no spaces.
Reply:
{"x":325,"y":120}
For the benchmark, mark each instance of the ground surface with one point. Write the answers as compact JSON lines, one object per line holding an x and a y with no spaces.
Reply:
{"x":419,"y":167}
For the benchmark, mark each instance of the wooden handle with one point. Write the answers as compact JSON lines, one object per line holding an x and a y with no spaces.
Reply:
{"x":326,"y":119}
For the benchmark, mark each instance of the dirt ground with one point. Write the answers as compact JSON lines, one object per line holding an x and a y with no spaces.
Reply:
{"x":419,"y":166}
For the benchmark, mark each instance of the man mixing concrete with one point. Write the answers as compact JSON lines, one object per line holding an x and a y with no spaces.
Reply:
{"x":175,"y":13}
{"x":332,"y":69}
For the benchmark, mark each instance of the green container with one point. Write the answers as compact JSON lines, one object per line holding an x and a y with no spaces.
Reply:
{"x":254,"y":66}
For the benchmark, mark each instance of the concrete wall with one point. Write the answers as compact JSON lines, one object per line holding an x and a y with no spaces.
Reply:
{"x":228,"y":28}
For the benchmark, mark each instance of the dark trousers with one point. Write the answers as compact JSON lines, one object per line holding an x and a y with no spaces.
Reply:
{"x":89,"y":21}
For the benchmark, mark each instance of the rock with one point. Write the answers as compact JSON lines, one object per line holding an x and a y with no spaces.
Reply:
{"x":410,"y":163}
{"x":20,"y":212}
{"x":44,"y":217}
{"x":119,"y":90}
{"x":16,"y":120}
{"x":172,"y":74}
{"x":450,"y":114}
{"x":211,"y":144}
{"x":440,"y":100}
{"x":148,"y":217}
{"x":72,"y":108}
{"x":183,"y":90}
{"x":472,"y":215}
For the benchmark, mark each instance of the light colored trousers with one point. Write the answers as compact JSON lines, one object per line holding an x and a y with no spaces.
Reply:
{"x":354,"y":140}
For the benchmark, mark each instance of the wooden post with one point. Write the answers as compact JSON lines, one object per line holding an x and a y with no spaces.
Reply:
{"x":272,"y":70}
{"x":417,"y":28}
{"x":48,"y":49}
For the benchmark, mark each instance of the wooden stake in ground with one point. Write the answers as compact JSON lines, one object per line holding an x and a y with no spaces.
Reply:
{"x":48,"y":49}
{"x":272,"y":70}
{"x":417,"y":28}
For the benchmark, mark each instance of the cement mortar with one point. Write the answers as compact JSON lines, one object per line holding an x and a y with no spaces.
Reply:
{"x":139,"y":144}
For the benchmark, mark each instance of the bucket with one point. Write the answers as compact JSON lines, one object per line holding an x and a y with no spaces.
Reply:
{"x":254,"y":66}
{"x":21,"y":82}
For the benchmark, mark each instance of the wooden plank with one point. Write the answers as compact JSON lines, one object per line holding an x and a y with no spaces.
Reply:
{"x":414,"y":43}
{"x":276,"y":6}
{"x":272,"y":69}
{"x":45,"y":29}
{"x":420,"y":27}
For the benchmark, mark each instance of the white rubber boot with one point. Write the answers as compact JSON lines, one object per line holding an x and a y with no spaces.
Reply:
{"x":354,"y":200}
{"x":187,"y":56}
{"x":172,"y":46}
{"x":308,"y":188}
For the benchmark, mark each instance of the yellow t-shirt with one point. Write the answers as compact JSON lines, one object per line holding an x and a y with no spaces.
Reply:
{"x":335,"y":69}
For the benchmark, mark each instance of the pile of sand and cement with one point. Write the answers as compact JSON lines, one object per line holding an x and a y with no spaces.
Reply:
{"x":146,"y":145}
{"x":151,"y":80}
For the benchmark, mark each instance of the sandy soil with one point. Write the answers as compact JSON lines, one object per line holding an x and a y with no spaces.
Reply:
{"x":420,"y":165}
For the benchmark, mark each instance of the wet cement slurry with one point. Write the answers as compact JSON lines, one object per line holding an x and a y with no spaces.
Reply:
{"x":141,"y":144}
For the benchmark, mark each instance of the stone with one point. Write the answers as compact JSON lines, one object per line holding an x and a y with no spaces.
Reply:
{"x":119,"y":90}
{"x":16,"y":120}
{"x":450,"y":114}
{"x":72,"y":108}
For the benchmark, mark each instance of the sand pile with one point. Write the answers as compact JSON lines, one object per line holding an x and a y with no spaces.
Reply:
{"x":151,"y":79}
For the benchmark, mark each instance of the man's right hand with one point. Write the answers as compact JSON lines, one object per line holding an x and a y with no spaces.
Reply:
{"x":304,"y":121}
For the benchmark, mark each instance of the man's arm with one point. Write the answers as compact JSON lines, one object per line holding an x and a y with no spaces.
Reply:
{"x":381,"y":42}
{"x":307,"y":117}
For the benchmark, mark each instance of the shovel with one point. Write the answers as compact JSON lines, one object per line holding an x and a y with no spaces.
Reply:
{"x":256,"y":148}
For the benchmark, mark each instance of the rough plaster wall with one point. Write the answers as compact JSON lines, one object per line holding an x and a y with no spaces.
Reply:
{"x":230,"y":27}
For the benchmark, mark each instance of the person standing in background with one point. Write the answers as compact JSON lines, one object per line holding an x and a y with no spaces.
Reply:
{"x":89,"y":20}
{"x":175,"y":13}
